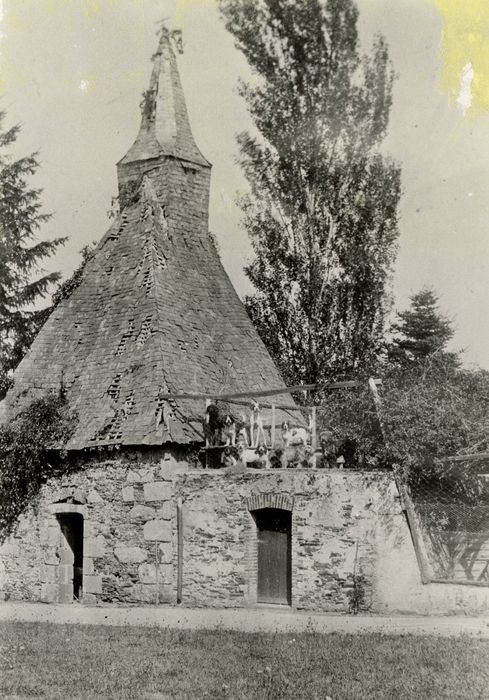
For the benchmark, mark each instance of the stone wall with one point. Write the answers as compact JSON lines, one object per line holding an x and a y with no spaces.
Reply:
{"x":333,"y":533}
{"x":342,"y":522}
{"x":128,"y":540}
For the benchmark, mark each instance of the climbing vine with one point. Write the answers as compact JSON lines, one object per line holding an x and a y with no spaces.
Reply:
{"x":32,"y":451}
{"x":357,"y":594}
{"x":129,"y":193}
{"x":148,"y":104}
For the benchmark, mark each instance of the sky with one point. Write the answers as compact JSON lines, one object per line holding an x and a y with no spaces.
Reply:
{"x":72,"y":73}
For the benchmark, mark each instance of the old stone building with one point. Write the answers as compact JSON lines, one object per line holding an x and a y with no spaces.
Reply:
{"x":154,"y":317}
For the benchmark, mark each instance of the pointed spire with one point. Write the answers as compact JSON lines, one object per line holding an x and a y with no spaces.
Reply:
{"x":165,"y":128}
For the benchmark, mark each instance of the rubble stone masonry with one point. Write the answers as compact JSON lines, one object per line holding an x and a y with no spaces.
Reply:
{"x":342,"y":522}
{"x":334,"y":525}
{"x":128,"y":533}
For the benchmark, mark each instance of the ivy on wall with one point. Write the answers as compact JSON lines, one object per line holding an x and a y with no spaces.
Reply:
{"x":32,"y":451}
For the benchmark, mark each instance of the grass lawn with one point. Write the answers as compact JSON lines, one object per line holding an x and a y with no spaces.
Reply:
{"x":68,"y":661}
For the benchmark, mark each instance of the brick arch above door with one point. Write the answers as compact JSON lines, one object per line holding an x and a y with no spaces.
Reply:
{"x":283,"y":501}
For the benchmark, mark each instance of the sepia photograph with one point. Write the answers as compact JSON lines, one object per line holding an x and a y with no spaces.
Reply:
{"x":244,"y":357}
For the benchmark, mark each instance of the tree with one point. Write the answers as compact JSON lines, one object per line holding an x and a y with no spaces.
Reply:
{"x":20,"y":255}
{"x":421,"y":330}
{"x":322,"y":212}
{"x":432,"y":410}
{"x":32,"y":449}
{"x":428,"y":411}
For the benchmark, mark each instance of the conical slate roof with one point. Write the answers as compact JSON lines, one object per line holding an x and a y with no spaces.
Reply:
{"x":155,"y":311}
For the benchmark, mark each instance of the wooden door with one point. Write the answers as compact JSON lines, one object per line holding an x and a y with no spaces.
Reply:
{"x":274,"y":555}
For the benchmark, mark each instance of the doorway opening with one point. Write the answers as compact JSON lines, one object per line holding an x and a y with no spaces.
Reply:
{"x":274,"y":527}
{"x":71,"y":557}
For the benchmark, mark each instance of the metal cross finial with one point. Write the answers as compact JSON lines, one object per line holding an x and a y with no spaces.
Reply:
{"x":174,"y":35}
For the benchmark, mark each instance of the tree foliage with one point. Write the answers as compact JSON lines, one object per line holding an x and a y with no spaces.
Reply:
{"x":31,"y":452}
{"x":421,"y":330}
{"x":429,"y":411}
{"x":350,"y":417}
{"x":322,"y":213}
{"x":434,"y":410}
{"x":20,"y":255}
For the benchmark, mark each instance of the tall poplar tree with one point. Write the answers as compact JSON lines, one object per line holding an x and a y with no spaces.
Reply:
{"x":322,"y":213}
{"x":20,"y":255}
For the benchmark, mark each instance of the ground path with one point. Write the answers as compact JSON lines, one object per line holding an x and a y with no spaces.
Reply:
{"x":264,"y":619}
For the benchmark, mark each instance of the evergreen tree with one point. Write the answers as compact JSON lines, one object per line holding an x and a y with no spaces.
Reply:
{"x":421,"y":330}
{"x":20,"y":255}
{"x":322,"y":213}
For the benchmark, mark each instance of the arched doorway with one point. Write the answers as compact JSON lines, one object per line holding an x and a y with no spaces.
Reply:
{"x":274,"y":527}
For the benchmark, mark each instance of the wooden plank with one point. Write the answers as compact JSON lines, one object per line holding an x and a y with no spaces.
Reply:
{"x":257,"y":393}
{"x":460,"y":582}
{"x":207,"y":404}
{"x":254,"y":394}
{"x":272,"y":432}
{"x":272,"y":567}
{"x":179,"y":549}
{"x":209,"y":448}
{"x":465,"y":458}
{"x":314,"y":437}
{"x":282,"y":406}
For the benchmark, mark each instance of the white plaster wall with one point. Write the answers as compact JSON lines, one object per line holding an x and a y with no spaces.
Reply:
{"x":398,"y":586}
